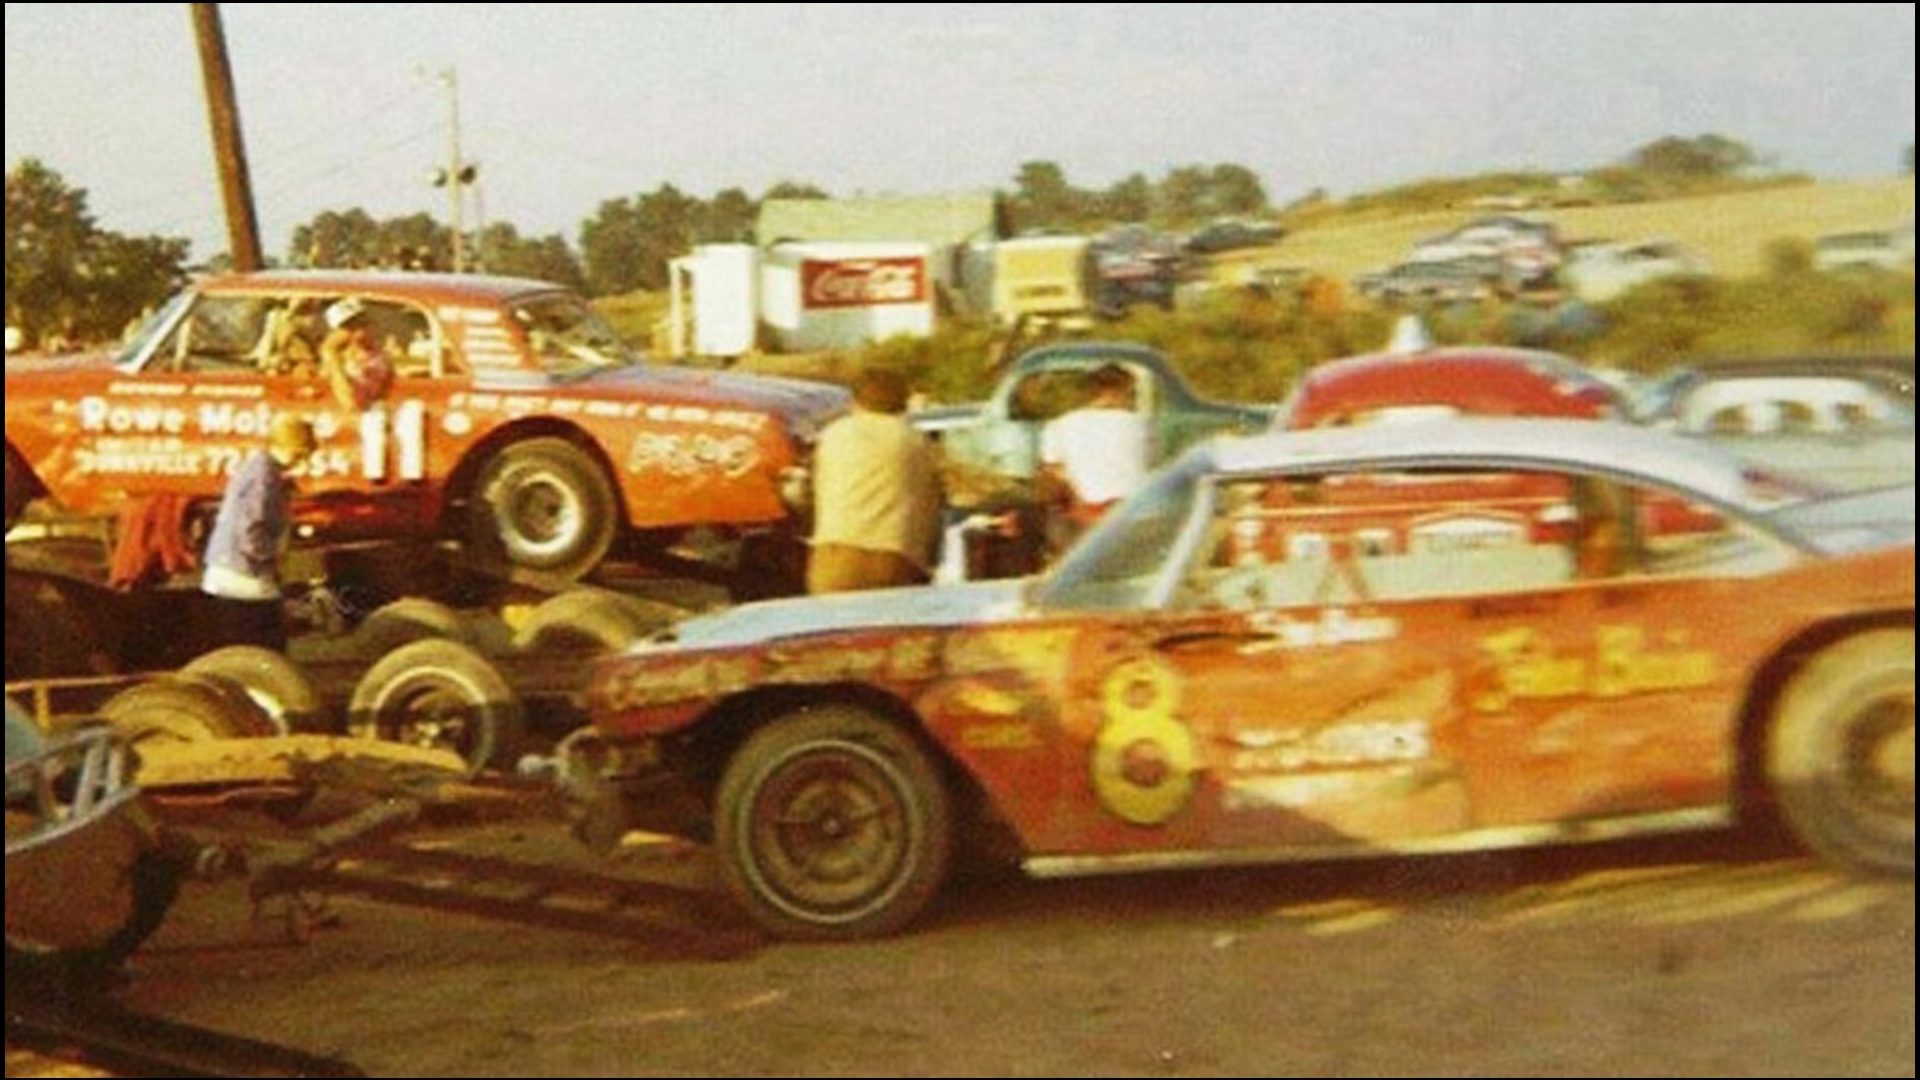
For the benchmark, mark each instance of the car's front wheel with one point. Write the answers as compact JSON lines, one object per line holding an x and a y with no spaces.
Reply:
{"x":833,"y":823}
{"x":545,"y":505}
{"x":1840,"y":752}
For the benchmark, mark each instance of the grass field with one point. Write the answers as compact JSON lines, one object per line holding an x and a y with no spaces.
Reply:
{"x":1731,"y":231}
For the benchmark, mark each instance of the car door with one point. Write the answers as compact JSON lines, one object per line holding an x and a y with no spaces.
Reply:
{"x":1413,"y":661}
{"x":1228,"y":702}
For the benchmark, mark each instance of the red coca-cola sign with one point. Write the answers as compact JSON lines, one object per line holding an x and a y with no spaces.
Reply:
{"x":853,"y":283}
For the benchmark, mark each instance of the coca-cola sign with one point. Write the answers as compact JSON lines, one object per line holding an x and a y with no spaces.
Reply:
{"x":853,"y":283}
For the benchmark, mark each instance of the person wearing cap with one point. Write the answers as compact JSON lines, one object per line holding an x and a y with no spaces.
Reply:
{"x":359,"y":373}
{"x":352,"y":361}
{"x":243,"y":552}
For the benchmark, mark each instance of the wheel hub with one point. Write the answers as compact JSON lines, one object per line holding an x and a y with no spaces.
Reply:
{"x":1880,"y":753}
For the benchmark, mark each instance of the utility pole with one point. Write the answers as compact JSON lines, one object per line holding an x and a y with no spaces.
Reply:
{"x":229,"y":149}
{"x":458,"y":173}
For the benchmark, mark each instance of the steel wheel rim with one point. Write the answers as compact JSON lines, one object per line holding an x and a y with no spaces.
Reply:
{"x":542,"y":515}
{"x":1877,"y":764}
{"x":830,"y":834}
{"x":432,"y":711}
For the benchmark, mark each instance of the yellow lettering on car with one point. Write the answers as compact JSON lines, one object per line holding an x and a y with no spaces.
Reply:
{"x":1622,"y":664}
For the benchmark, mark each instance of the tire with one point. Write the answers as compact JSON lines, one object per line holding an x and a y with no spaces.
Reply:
{"x":49,"y":636}
{"x":544,"y":505}
{"x":833,"y":824}
{"x":156,"y":884}
{"x":1839,"y":752}
{"x":273,"y":683}
{"x":438,"y":694}
{"x":404,"y":622}
{"x":591,"y":621}
{"x":185,"y":708}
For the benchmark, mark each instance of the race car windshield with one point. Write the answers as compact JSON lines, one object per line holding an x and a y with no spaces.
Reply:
{"x":150,"y":330}
{"x":570,"y":339}
{"x":1117,"y":565}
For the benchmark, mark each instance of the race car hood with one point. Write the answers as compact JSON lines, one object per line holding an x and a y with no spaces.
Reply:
{"x":67,"y":364}
{"x":805,"y":406}
{"x":941,"y":605}
{"x":1854,"y":524}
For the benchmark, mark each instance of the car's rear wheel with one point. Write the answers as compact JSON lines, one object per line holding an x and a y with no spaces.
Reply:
{"x":1840,"y":752}
{"x":545,"y":505}
{"x":833,"y":823}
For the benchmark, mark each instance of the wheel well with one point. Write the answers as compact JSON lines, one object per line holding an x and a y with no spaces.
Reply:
{"x":1771,"y":680}
{"x":703,"y":754}
{"x":466,"y":477}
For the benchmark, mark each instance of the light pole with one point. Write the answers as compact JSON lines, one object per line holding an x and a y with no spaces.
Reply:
{"x":457,"y":173}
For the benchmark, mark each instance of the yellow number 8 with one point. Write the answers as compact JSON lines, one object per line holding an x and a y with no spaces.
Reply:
{"x":1144,"y":759}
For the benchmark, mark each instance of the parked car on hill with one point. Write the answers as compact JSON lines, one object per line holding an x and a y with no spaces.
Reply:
{"x":1844,"y":422}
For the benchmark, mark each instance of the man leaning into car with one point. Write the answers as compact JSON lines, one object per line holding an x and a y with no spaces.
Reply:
{"x":877,"y":502}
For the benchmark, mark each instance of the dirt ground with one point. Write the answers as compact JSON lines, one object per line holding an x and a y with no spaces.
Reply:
{"x":1708,"y":956}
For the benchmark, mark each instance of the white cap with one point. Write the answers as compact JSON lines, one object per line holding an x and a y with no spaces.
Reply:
{"x":342,"y":312}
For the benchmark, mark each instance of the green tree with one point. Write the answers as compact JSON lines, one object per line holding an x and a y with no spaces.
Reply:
{"x":629,"y":243}
{"x":610,"y":243}
{"x":669,"y":219}
{"x":794,"y":189}
{"x":337,"y":239}
{"x":1183,"y":196}
{"x":1130,"y":200}
{"x":1042,"y":198}
{"x":48,"y":230}
{"x":728,"y":218}
{"x":1701,"y":157}
{"x":65,"y":274}
{"x":1236,"y":189}
{"x":504,"y":251}
{"x":414,"y":241}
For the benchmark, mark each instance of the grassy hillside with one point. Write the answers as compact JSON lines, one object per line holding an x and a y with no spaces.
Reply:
{"x":1730,"y":230}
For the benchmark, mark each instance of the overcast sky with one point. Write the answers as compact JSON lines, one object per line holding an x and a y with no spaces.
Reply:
{"x":566,"y":105}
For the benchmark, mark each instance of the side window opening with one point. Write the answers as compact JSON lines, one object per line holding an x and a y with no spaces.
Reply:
{"x":1401,"y":536}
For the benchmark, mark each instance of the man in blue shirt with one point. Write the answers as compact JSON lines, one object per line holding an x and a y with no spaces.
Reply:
{"x":243,"y":553}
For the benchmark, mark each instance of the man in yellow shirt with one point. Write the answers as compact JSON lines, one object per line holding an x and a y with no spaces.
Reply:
{"x":877,"y":503}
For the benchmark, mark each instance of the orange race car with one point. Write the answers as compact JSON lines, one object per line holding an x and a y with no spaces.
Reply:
{"x":1171,"y":697}
{"x":511,"y":418}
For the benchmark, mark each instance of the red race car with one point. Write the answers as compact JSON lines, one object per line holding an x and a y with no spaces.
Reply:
{"x":514,"y":419}
{"x":1170,"y":697}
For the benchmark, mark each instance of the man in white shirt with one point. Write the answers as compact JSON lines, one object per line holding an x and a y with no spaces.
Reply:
{"x":1099,"y":452}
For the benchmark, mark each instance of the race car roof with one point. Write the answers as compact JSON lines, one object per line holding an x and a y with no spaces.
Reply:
{"x":1579,"y":445}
